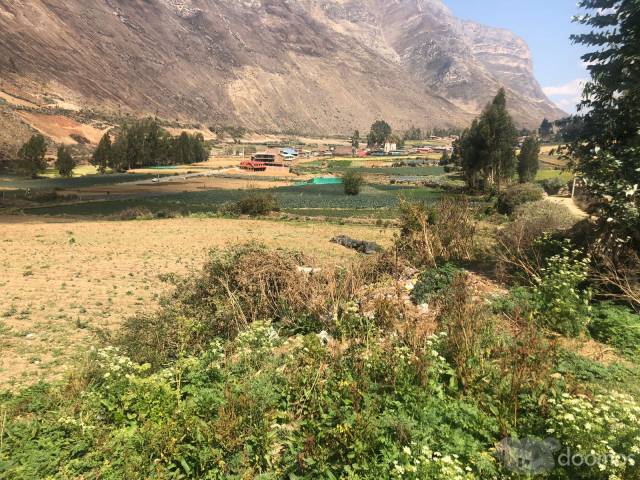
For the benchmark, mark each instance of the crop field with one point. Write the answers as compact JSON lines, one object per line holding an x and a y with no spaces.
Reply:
{"x":65,"y":281}
{"x":86,"y":181}
{"x":393,"y":171}
{"x":373,"y":197}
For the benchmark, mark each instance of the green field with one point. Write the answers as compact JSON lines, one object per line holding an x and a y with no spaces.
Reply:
{"x":8,"y":181}
{"x":326,"y":197}
{"x":548,"y":174}
{"x":392,"y":171}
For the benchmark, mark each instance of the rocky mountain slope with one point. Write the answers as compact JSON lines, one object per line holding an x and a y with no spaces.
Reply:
{"x":316,"y":66}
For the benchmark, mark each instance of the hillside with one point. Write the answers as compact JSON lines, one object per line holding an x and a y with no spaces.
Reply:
{"x":314,"y":66}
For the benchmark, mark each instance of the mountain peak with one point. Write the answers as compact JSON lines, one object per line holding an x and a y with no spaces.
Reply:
{"x":312,"y":66}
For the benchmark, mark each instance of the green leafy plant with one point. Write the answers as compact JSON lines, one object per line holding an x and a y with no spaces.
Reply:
{"x":617,"y":326}
{"x":561,"y":299}
{"x":434,"y":282}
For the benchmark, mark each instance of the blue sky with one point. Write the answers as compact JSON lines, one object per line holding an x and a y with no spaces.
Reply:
{"x":545,"y":25}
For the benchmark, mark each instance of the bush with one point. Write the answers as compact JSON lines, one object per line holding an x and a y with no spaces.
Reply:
{"x":553,"y":185}
{"x":134,"y":213}
{"x":517,"y":195}
{"x":433,"y":282}
{"x":560,"y":297}
{"x":617,"y":326}
{"x":602,"y":430}
{"x":254,"y":204}
{"x":258,"y":406}
{"x":429,"y":234}
{"x":525,"y":243}
{"x":237,"y":287}
{"x":353,"y":182}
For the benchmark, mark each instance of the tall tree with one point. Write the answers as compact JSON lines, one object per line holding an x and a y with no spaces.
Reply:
{"x":413,"y":133}
{"x":31,"y":160}
{"x":182,"y":149}
{"x":529,"y":160}
{"x":101,"y":158}
{"x":355,"y":140}
{"x":65,"y":163}
{"x":199,"y":151}
{"x":379,"y":134}
{"x":546,"y":128}
{"x":445,"y":159}
{"x":488,"y":148}
{"x":608,"y":146}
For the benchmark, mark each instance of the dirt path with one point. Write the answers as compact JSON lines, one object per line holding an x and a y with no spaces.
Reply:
{"x":570,"y":204}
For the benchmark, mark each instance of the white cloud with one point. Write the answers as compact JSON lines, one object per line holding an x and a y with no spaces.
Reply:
{"x":573,"y":88}
{"x":568,"y":95}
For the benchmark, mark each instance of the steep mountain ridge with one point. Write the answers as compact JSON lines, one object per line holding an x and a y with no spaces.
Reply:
{"x":316,"y":66}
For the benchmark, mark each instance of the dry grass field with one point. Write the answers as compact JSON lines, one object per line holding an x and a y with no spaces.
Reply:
{"x":64,"y":280}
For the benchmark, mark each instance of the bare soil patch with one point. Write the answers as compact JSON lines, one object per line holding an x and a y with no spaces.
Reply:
{"x":63,"y":280}
{"x":60,"y":128}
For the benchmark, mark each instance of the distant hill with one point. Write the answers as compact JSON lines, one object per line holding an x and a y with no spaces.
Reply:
{"x":300,"y":66}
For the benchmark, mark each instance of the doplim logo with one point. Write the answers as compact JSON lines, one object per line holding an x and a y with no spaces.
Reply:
{"x":533,"y":456}
{"x":528,"y":455}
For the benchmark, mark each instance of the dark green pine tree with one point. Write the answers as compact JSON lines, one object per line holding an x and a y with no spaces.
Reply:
{"x":488,"y":148}
{"x":529,"y":160}
{"x":546,"y":128}
{"x":31,"y":160}
{"x":65,"y":163}
{"x":101,"y":158}
{"x":355,"y":140}
{"x":501,"y":139}
{"x":607,"y":149}
{"x":445,"y":159}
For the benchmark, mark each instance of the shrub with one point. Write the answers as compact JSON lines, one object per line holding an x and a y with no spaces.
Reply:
{"x":526,"y":242}
{"x":617,"y":326}
{"x":258,"y":406}
{"x":603,"y":431}
{"x":561,"y":300}
{"x":470,"y":334}
{"x":254,"y":204}
{"x":517,"y":195}
{"x":352,"y":182}
{"x":519,"y":300}
{"x":429,"y":234}
{"x":433,"y":282}
{"x":134,"y":213}
{"x":553,"y":185}
{"x":44,"y":197}
{"x":237,"y":287}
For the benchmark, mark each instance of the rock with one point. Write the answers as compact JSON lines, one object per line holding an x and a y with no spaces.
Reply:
{"x":361,"y":246}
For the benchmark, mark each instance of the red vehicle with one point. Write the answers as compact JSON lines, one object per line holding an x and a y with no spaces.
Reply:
{"x":253,"y":165}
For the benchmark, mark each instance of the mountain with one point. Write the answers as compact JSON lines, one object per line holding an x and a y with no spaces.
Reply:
{"x":306,"y":66}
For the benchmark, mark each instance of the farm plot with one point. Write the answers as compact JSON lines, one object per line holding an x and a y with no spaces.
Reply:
{"x":87,"y":181}
{"x":65,"y":281}
{"x":325,"y":197}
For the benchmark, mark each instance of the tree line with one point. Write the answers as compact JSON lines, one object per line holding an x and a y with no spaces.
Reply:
{"x":143,"y":143}
{"x":138,"y":144}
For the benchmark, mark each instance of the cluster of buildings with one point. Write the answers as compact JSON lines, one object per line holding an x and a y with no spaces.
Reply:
{"x":285,"y":157}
